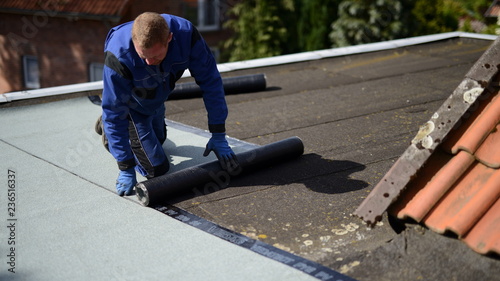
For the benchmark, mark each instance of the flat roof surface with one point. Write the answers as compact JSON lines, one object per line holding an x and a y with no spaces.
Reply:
{"x":356,"y":114}
{"x":65,"y":221}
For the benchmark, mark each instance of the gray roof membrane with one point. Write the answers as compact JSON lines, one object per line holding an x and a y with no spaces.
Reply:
{"x":67,"y":223}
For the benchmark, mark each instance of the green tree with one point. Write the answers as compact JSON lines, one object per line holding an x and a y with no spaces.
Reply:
{"x":313,"y":23}
{"x":472,"y":14}
{"x":435,"y":16}
{"x":266,"y":28}
{"x":260,"y":29}
{"x":475,"y":8}
{"x":361,"y":22}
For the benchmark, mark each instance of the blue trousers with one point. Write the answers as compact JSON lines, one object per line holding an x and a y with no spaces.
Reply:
{"x":147,"y":135}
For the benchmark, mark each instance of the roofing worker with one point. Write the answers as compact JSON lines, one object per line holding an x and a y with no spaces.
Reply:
{"x":143,"y":60}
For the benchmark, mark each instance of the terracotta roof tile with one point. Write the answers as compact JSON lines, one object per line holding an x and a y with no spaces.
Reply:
{"x":89,"y":7}
{"x":456,"y":189}
{"x":493,"y":10}
{"x":466,"y":201}
{"x":417,"y":202}
{"x":488,"y":156}
{"x":477,"y":127}
{"x":484,"y":238}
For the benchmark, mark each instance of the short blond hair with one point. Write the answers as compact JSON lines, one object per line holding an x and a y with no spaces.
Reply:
{"x":149,"y":29}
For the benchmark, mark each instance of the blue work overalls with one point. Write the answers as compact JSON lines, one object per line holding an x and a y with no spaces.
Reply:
{"x":134,"y":94}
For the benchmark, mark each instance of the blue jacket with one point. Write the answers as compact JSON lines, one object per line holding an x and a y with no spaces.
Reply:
{"x":132,"y":85}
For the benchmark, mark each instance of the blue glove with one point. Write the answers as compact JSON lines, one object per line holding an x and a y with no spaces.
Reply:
{"x":126,"y":182}
{"x":218,"y":144}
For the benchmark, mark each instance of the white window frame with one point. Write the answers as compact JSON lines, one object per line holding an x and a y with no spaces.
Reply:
{"x":94,"y":69}
{"x":31,"y":72}
{"x":202,"y":13}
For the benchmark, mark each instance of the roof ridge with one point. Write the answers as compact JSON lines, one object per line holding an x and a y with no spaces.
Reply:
{"x":94,"y":8}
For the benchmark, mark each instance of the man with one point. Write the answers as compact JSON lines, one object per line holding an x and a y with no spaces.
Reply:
{"x":143,"y":60}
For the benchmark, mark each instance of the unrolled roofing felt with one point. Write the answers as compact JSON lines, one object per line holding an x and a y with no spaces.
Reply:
{"x":67,"y":223}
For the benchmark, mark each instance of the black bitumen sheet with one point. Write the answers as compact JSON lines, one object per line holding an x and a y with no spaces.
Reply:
{"x":356,"y":115}
{"x":179,"y":182}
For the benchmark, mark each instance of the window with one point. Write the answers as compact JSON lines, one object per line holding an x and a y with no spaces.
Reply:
{"x":95,"y":71}
{"x":31,"y":72}
{"x":204,"y":14}
{"x":208,"y":15}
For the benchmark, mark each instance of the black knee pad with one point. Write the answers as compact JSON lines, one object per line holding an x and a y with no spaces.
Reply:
{"x":159,"y":170}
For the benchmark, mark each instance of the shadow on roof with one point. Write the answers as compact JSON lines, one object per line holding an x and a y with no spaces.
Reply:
{"x":332,"y":178}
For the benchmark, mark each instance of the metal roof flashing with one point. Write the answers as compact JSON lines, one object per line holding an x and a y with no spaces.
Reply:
{"x":471,"y":97}
{"x":262,"y":62}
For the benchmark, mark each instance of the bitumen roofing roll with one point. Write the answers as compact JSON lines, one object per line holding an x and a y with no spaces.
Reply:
{"x":232,"y":85}
{"x":211,"y":175}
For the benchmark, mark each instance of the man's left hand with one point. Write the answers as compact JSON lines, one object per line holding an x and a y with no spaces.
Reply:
{"x":218,"y":144}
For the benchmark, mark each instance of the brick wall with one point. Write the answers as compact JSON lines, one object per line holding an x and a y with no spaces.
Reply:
{"x":64,"y":48}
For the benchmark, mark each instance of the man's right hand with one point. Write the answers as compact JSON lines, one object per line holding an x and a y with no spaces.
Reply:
{"x":218,"y":144}
{"x":126,"y":182}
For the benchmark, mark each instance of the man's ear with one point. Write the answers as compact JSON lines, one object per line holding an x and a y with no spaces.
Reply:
{"x":170,"y":36}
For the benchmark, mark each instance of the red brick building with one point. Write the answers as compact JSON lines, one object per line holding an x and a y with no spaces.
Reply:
{"x":54,"y":42}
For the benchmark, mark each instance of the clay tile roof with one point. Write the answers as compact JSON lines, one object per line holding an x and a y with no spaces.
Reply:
{"x":449,"y":178}
{"x":493,"y":10}
{"x":87,"y":7}
{"x":458,"y":189}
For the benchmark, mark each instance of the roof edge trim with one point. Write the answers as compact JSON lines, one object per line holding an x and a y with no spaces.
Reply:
{"x":262,"y":62}
{"x":51,"y":91}
{"x":67,"y":15}
{"x":350,"y":50}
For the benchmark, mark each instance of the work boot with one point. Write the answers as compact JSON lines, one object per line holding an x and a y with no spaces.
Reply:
{"x":98,"y":125}
{"x":100,"y":131}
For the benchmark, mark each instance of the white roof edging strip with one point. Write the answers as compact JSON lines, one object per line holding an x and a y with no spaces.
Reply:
{"x":262,"y":62}
{"x":343,"y":51}
{"x":52,"y":91}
